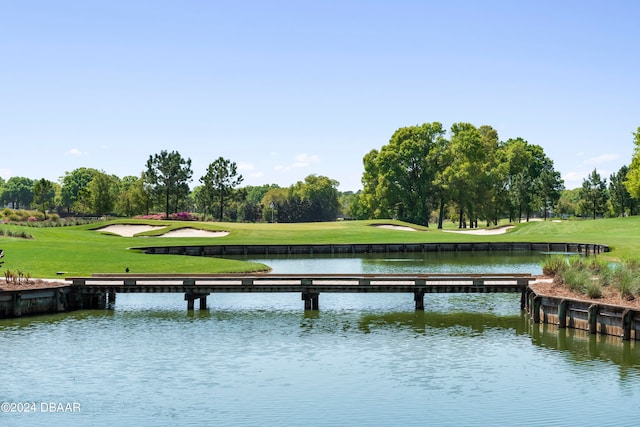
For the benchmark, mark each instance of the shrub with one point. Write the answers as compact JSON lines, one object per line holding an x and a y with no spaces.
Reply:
{"x":593,"y":288}
{"x":576,"y":279}
{"x":554,"y":265}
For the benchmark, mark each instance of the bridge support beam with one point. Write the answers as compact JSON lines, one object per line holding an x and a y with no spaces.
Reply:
{"x":418,"y":297}
{"x":310,"y":300}
{"x":111,"y":299}
{"x":191,"y":298}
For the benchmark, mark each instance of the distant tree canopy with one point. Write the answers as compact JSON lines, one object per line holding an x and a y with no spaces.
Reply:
{"x":425,"y":174}
{"x":315,"y":199}
{"x":472,"y":173}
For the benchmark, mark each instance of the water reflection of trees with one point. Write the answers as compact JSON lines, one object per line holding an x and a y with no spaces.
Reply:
{"x":581,"y":347}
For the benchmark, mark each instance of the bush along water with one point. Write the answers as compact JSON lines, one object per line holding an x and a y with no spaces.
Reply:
{"x":591,"y":275}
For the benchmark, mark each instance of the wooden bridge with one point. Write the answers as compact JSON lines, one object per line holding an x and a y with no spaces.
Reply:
{"x":99,"y":290}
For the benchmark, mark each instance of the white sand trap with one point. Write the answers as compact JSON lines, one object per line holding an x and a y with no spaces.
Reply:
{"x":128,"y":230}
{"x":483,"y":231}
{"x":396,"y":227}
{"x":194,"y":232}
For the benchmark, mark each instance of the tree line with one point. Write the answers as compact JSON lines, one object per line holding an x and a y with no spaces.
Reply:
{"x":424,"y":175}
{"x":421,"y":176}
{"x":163,"y":186}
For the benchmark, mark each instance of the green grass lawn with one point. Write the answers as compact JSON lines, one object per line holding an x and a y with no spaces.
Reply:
{"x":81,"y":250}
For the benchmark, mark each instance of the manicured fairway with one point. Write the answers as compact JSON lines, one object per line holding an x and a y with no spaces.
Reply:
{"x":81,"y":250}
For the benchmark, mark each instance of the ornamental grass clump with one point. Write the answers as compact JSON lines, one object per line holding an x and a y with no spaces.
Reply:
{"x":593,"y":288}
{"x":626,"y":279}
{"x":577,"y":279}
{"x":554,"y":265}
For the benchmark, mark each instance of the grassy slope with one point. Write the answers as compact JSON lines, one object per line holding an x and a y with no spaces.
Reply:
{"x":81,"y":250}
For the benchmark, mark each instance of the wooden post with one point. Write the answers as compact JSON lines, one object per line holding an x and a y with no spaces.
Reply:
{"x":562,"y":314}
{"x":418,"y":297}
{"x":111,"y":301}
{"x":101,"y":300}
{"x":17,"y":305}
{"x":626,"y":324}
{"x":190,"y":303}
{"x":203,"y":302}
{"x":537,"y":302}
{"x":593,"y":318}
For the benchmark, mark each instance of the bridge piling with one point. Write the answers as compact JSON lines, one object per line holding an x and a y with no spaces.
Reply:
{"x":310,"y":300}
{"x":418,"y":297}
{"x":191,"y":297}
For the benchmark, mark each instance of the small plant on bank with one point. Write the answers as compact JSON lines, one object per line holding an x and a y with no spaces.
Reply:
{"x":576,"y":279}
{"x":593,"y":288}
{"x":16,"y":278}
{"x":553,"y":265}
{"x":591,"y":275}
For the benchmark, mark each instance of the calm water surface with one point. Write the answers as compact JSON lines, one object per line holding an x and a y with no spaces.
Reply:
{"x":363,"y":359}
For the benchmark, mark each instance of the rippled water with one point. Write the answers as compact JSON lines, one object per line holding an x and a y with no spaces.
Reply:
{"x":416,"y":262}
{"x":363,"y":359}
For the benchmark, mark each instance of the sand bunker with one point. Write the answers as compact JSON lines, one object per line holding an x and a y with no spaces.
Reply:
{"x":129,"y":230}
{"x":483,"y":231}
{"x":194,"y":232}
{"x":396,"y":227}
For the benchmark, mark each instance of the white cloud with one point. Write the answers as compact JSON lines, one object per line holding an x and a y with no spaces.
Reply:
{"x":74,"y":152}
{"x":300,"y":161}
{"x":573,"y":179}
{"x":598,"y":160}
{"x":242,"y":167}
{"x":5,"y":173}
{"x":303,"y":160}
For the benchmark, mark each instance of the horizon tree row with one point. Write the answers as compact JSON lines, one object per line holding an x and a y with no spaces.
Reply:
{"x":164,"y":185}
{"x":420,"y":176}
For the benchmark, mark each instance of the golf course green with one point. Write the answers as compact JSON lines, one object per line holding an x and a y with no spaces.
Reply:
{"x":48,"y":252}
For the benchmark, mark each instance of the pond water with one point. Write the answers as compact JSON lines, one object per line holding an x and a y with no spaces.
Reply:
{"x":412,"y":262}
{"x":363,"y":359}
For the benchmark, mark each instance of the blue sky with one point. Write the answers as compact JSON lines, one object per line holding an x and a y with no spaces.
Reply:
{"x":290,"y":88}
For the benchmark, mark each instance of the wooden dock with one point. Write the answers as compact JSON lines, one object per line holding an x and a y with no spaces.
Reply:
{"x":99,"y":290}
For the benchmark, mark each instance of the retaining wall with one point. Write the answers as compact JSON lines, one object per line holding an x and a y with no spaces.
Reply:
{"x":31,"y":302}
{"x":584,"y":315}
{"x":222,"y":250}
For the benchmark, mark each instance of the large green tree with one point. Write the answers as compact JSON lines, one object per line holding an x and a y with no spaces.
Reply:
{"x":633,"y":176}
{"x":44,"y":195}
{"x":220,"y":182}
{"x":399,"y":180}
{"x":132,"y":197}
{"x":463,"y":177}
{"x":594,"y":195}
{"x":319,"y":195}
{"x":621,"y":201}
{"x":18,"y":191}
{"x":168,"y":175}
{"x":74,"y":193}
{"x":102,"y":193}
